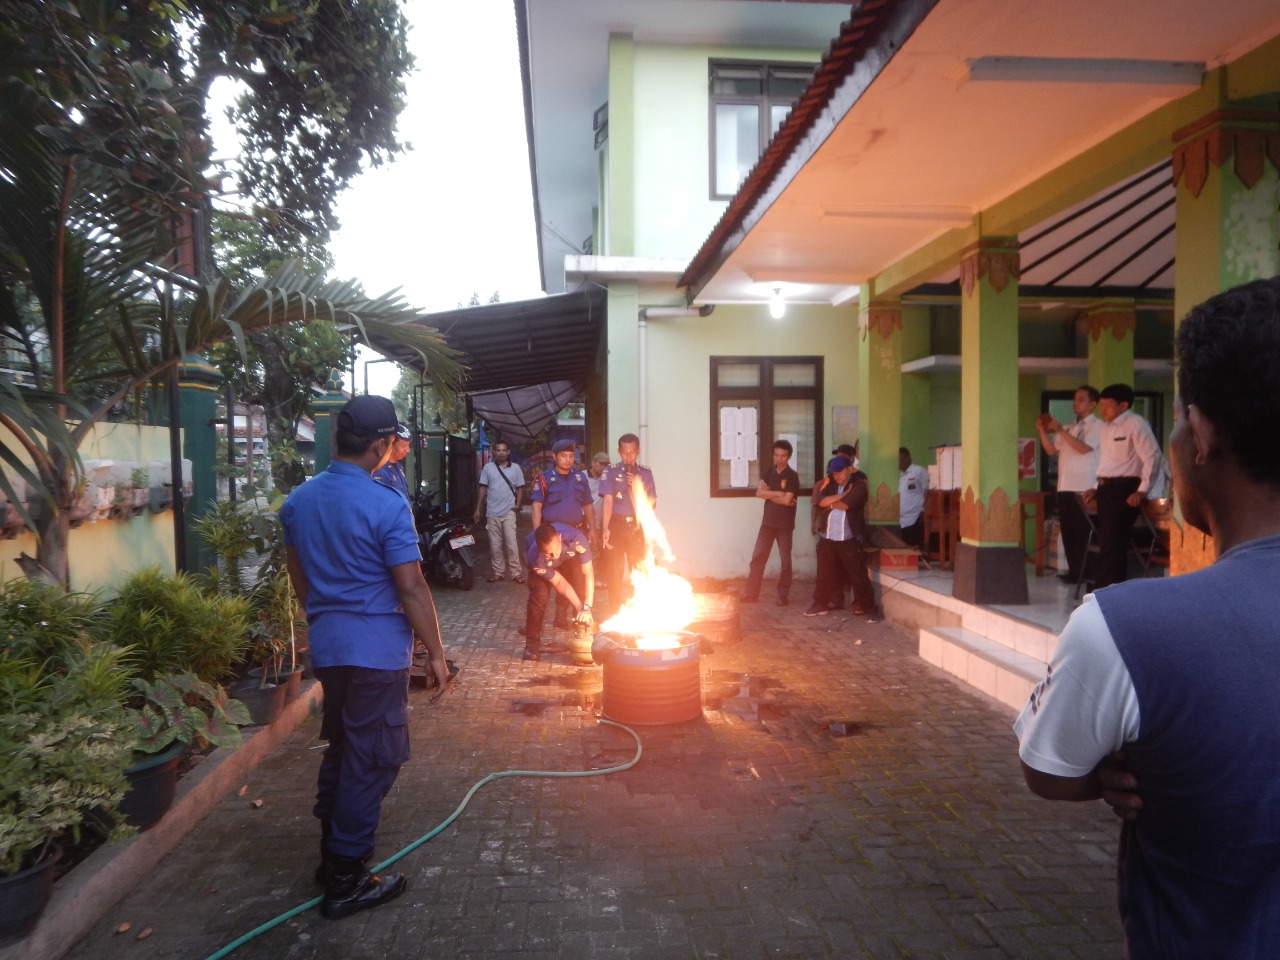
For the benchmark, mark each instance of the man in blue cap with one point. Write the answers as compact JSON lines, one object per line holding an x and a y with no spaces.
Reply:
{"x":621,"y":537}
{"x":354,"y":562}
{"x":549,"y":549}
{"x":393,"y":474}
{"x":562,"y":495}
{"x":840,"y":504}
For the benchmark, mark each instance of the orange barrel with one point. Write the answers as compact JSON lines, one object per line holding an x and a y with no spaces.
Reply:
{"x":716,"y":618}
{"x":653,"y":686}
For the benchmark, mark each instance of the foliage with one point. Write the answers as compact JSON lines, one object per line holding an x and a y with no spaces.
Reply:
{"x":170,"y":624}
{"x":180,"y":708}
{"x":280,"y":367}
{"x":102,"y":120}
{"x":65,"y":736}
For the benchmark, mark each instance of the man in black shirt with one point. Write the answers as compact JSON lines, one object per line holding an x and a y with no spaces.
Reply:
{"x":777,"y":488}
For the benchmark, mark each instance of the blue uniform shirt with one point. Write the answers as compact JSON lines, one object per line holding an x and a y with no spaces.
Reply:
{"x":573,"y":546}
{"x":562,"y":497}
{"x":349,"y":531}
{"x":615,"y":483}
{"x":393,"y":476}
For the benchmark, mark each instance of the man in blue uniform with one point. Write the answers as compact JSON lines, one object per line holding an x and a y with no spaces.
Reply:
{"x":563,"y":495}
{"x":392,"y":474}
{"x":549,"y":548}
{"x":354,"y":562}
{"x":1181,"y":673}
{"x":621,"y":538}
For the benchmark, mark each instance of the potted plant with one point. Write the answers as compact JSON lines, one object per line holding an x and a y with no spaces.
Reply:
{"x":65,"y":737}
{"x":173,"y":713}
{"x":179,"y":640}
{"x":140,"y":490}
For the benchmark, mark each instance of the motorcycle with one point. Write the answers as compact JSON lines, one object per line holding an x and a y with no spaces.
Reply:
{"x":446,"y":543}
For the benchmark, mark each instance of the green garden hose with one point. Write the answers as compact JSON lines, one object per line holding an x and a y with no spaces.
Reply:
{"x":439,"y":828}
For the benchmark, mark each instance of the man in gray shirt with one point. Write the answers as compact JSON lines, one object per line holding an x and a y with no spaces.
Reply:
{"x":501,"y":493}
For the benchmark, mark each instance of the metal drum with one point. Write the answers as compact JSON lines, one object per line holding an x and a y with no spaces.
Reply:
{"x":653,"y":686}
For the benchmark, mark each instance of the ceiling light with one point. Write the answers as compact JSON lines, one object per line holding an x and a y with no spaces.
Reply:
{"x":1177,"y":73}
{"x":777,"y":305}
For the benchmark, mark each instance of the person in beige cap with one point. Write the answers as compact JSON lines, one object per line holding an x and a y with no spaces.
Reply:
{"x":594,"y":472}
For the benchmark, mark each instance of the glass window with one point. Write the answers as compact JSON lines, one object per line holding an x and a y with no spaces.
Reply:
{"x":749,"y":101}
{"x":755,"y":401}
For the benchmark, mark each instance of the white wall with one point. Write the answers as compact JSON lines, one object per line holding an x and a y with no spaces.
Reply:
{"x":674,"y":211}
{"x":713,"y":536}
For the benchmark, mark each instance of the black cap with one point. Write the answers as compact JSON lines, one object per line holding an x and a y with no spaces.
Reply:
{"x":368,"y":416}
{"x":403,"y":432}
{"x":562,"y":445}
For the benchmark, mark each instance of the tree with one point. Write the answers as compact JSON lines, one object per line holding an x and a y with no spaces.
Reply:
{"x":103,"y":163}
{"x":280,"y":365}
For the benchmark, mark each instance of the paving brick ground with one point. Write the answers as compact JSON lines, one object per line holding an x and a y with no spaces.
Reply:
{"x":753,"y":832}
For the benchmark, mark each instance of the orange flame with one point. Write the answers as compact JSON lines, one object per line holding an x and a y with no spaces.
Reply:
{"x":661,"y":602}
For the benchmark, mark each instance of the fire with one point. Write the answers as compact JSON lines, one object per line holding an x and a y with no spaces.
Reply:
{"x":661,"y":602}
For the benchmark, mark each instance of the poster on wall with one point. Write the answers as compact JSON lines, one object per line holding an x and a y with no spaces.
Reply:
{"x":1027,"y":460}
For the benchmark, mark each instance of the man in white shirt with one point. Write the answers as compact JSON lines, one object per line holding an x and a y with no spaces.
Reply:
{"x":501,"y":493}
{"x":913,"y":483}
{"x":1076,"y":447}
{"x":1127,"y":458}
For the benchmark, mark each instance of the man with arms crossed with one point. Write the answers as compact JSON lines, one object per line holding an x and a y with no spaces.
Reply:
{"x":354,"y":562}
{"x":777,"y":488}
{"x":1181,"y":673}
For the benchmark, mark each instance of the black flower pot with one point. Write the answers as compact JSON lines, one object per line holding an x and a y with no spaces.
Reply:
{"x":264,"y":703}
{"x":153,"y":782}
{"x":23,"y":897}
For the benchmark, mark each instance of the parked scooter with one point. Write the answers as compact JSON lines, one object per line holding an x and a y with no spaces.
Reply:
{"x":446,"y":542}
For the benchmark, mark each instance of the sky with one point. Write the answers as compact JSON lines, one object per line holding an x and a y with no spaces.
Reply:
{"x":454,"y":216}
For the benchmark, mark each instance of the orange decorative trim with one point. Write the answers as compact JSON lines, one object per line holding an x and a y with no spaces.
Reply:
{"x":883,"y":320}
{"x":1250,"y":136}
{"x":1000,"y":521}
{"x":883,"y":505}
{"x":998,"y":261}
{"x":1121,"y":323}
{"x":1189,"y":549}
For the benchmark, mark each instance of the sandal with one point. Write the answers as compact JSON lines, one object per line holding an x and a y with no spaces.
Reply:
{"x":495,"y":580}
{"x":517,"y":579}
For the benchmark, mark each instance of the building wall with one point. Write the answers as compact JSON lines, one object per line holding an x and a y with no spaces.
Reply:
{"x":672,"y":210}
{"x":102,"y":553}
{"x":714,"y":536}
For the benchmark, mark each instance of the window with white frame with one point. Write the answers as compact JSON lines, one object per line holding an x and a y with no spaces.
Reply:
{"x":755,"y":401}
{"x":749,"y":101}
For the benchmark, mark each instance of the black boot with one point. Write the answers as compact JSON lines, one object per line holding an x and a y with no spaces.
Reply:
{"x":352,"y":887}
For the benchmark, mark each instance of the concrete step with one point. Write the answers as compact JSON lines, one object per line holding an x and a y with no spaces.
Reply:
{"x":991,"y":667}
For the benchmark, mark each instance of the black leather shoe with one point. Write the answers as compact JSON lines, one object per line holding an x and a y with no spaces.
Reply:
{"x":784,"y":602}
{"x":530,"y":654}
{"x":353,"y":888}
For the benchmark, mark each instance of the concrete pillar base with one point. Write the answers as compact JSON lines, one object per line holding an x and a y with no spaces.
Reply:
{"x":986,"y":575}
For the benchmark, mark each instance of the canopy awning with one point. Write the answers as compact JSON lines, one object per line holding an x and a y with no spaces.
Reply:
{"x":521,"y":344}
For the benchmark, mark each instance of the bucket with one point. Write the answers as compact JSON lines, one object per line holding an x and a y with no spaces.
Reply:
{"x":653,"y":686}
{"x":716,"y":618}
{"x":264,"y":704}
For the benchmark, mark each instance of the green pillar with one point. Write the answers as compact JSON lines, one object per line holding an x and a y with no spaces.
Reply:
{"x":1224,"y":167}
{"x":323,"y":411}
{"x":880,"y":404}
{"x":199,"y":386}
{"x":1111,"y":324}
{"x":990,"y":567}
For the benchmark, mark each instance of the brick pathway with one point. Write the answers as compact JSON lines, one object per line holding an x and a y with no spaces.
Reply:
{"x":757,"y":831}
